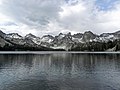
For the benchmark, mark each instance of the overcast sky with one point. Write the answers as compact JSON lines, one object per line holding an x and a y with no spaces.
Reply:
{"x":42,"y":17}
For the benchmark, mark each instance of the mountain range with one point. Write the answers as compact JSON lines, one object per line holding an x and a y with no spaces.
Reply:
{"x":87,"y":41}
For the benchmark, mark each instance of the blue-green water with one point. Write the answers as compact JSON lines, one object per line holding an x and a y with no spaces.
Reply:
{"x":60,"y":71}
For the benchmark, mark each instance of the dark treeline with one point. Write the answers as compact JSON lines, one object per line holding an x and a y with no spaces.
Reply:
{"x":26,"y":48}
{"x":97,"y":46}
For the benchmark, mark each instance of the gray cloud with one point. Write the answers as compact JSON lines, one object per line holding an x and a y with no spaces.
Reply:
{"x":54,"y":16}
{"x":32,"y":12}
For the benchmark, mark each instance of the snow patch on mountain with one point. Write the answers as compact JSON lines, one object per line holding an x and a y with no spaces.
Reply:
{"x":47,"y":38}
{"x":32,"y":37}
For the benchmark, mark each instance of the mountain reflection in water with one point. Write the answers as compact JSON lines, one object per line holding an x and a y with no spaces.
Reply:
{"x":60,"y":71}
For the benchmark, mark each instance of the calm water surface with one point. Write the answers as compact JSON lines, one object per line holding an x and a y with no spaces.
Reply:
{"x":60,"y":71}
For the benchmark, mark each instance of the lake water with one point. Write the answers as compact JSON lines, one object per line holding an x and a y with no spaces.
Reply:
{"x":60,"y":71}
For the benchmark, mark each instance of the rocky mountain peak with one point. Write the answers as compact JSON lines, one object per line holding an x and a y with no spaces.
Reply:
{"x":2,"y":34}
{"x":69,"y":34}
{"x":78,"y":35}
{"x":47,"y":39}
{"x":118,"y":32}
{"x":13,"y":35}
{"x":60,"y":34}
{"x":105,"y":34}
{"x":88,"y":35}
{"x":88,"y":32}
{"x":30,"y":36}
{"x":48,"y":36}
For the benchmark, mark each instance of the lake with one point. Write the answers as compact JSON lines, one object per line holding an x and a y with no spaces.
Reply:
{"x":59,"y":71}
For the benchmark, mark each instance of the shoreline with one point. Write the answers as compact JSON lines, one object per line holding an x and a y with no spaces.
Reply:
{"x":56,"y":52}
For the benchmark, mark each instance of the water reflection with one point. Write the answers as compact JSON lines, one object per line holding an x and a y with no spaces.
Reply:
{"x":60,"y":72}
